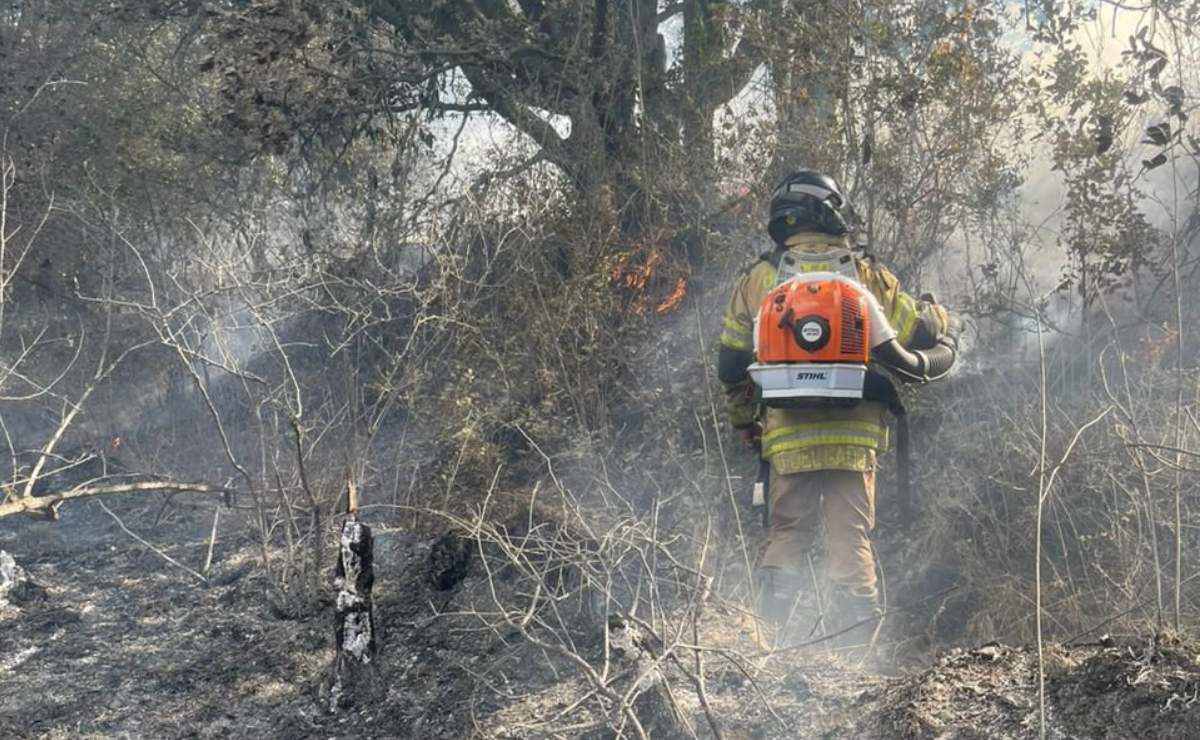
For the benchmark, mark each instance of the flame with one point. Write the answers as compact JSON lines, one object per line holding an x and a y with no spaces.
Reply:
{"x":642,"y":274}
{"x":672,"y":301}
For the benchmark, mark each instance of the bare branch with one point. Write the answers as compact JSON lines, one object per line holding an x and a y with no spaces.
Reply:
{"x":49,"y":504}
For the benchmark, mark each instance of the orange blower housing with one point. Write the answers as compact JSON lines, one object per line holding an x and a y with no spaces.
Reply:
{"x":814,"y":321}
{"x":812,"y":340}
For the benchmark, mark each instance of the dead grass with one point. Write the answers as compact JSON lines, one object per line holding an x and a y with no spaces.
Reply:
{"x":126,"y":644}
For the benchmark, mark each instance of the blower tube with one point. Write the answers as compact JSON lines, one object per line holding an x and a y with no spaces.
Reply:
{"x":920,"y":366}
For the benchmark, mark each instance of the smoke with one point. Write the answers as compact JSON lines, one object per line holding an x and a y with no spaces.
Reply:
{"x":229,"y":341}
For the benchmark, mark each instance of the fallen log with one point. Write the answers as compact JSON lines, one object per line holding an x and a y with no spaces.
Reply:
{"x":46,"y":505}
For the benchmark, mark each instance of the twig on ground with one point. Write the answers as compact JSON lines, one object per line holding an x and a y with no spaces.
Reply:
{"x":212,"y":541}
{"x":152,"y":548}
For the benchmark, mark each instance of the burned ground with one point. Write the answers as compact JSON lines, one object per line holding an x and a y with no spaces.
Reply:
{"x":125,"y":643}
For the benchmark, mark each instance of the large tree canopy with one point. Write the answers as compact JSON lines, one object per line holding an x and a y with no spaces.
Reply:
{"x":590,"y":83}
{"x":904,"y":101}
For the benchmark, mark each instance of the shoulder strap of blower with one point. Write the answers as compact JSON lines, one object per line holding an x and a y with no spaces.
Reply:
{"x":836,"y":260}
{"x":772,"y":256}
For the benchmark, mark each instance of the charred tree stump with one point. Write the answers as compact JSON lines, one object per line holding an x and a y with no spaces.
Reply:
{"x":450,"y":561}
{"x":16,"y":587}
{"x":652,"y":702}
{"x":354,"y":630}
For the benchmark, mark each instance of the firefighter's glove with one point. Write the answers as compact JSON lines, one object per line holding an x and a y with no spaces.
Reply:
{"x":751,"y":435}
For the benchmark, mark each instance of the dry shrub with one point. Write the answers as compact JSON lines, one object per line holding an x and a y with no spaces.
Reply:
{"x":1108,"y":537}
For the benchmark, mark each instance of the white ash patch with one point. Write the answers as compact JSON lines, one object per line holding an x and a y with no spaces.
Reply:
{"x":10,"y":663}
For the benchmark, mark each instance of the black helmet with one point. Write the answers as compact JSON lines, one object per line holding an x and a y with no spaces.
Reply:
{"x":806,"y":200}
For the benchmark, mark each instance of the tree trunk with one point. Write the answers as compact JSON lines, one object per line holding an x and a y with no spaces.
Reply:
{"x":703,"y":45}
{"x":807,"y":75}
{"x":16,"y":588}
{"x":354,"y":631}
{"x":651,"y":702}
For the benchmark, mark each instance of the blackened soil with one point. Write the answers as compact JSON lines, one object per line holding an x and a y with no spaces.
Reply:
{"x":124,"y":643}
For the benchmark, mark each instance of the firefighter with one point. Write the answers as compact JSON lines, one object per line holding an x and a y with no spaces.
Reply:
{"x":822,"y":459}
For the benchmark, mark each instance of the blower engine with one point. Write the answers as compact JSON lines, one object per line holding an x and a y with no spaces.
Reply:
{"x":813,"y":339}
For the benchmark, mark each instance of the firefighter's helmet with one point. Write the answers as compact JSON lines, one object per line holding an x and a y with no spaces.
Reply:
{"x":806,"y":200}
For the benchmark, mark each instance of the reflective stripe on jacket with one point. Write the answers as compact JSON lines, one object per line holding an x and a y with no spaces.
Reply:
{"x":798,"y":440}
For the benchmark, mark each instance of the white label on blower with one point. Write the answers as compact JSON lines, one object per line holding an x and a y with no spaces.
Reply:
{"x":809,"y":380}
{"x":811,"y":331}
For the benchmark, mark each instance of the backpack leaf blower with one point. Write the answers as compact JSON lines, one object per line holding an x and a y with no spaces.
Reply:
{"x":815,"y":338}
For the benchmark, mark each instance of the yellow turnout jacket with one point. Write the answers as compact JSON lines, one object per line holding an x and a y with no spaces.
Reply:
{"x":799,"y":440}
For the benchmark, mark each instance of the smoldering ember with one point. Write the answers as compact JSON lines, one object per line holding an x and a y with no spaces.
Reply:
{"x":599,"y":369}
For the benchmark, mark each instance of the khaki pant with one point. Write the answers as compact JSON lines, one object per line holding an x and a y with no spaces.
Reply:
{"x":843,"y":501}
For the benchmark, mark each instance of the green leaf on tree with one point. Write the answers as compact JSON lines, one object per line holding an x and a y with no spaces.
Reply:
{"x":1158,"y":161}
{"x":1158,"y":135}
{"x":1104,"y":134}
